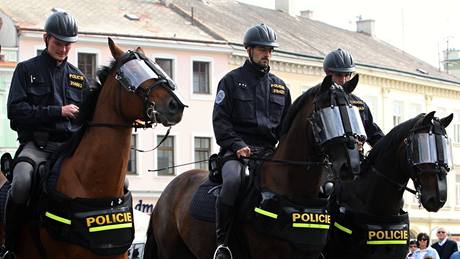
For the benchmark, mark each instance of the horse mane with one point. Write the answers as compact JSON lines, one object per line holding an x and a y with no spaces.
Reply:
{"x":91,"y":94}
{"x":386,"y":146}
{"x":87,"y":107}
{"x":296,"y":107}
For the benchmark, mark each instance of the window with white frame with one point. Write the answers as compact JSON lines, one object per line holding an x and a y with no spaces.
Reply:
{"x":398,"y":109}
{"x":7,"y":136}
{"x":457,"y":190}
{"x":201,"y":77}
{"x":167,"y":64}
{"x":165,"y":156}
{"x":132,"y":155}
{"x":87,"y":65}
{"x":202,"y":151}
{"x":456,"y":127}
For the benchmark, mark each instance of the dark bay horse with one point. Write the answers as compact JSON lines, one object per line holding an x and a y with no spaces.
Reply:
{"x":90,"y":189}
{"x":290,"y":191}
{"x":367,"y":216}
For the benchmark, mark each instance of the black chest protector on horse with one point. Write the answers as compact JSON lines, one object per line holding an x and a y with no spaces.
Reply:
{"x":104,"y":226}
{"x":303,"y":225}
{"x":369,"y":236}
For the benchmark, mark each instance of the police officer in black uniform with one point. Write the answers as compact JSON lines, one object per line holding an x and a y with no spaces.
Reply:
{"x":339,"y":63}
{"x":43,"y":103}
{"x":249,"y":109}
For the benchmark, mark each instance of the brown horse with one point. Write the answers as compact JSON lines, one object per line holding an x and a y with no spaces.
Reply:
{"x":133,"y":88}
{"x":294,"y":175}
{"x":367,"y":216}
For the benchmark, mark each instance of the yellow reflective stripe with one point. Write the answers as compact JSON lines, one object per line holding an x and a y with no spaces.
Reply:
{"x":266,"y":213}
{"x":344,"y":229}
{"x":307,"y":225}
{"x":57,"y":218}
{"x":387,"y":242}
{"x":110,"y":227}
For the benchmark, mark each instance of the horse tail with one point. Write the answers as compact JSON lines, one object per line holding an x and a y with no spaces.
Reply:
{"x":151,"y":249}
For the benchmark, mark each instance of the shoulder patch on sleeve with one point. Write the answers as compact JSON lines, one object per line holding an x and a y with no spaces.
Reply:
{"x":220,"y":96}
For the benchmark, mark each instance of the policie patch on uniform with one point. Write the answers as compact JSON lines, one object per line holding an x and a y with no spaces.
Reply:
{"x":278,"y":89}
{"x":220,"y":96}
{"x":76,"y":80}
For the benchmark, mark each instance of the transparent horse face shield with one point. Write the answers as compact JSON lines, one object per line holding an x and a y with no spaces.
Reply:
{"x":428,"y":148}
{"x":136,"y":71}
{"x":331,"y":123}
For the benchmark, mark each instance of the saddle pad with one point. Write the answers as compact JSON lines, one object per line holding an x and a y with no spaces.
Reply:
{"x":203,"y":206}
{"x":3,"y":195}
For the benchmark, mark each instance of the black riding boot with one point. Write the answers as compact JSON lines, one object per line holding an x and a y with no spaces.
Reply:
{"x":14,"y":215}
{"x":224,"y":218}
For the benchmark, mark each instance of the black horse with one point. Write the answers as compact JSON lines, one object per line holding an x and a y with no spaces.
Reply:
{"x":367,"y":216}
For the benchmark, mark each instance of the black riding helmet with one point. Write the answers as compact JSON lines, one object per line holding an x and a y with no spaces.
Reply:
{"x":260,"y":35}
{"x":339,"y":61}
{"x":62,"y":26}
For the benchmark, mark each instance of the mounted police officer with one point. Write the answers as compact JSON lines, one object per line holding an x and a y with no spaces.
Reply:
{"x":42,"y":107}
{"x":339,"y":63}
{"x":249,"y":109}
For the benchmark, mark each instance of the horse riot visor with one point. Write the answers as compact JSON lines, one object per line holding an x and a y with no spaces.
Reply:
{"x":430,"y":148}
{"x":137,"y":70}
{"x":337,"y":122}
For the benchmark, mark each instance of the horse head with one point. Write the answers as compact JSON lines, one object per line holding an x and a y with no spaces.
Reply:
{"x":430,"y":158}
{"x":327,"y":126}
{"x":337,"y":127}
{"x":149,"y":91}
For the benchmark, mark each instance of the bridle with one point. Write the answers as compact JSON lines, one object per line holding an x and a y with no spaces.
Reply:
{"x":412,"y":162}
{"x":338,"y":123}
{"x":132,"y":70}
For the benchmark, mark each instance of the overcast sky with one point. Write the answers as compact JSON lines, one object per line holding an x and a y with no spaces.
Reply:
{"x":419,"y":27}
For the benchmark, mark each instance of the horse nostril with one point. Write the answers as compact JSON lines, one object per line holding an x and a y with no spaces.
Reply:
{"x":173,"y":105}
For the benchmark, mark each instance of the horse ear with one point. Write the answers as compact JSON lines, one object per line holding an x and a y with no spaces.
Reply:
{"x":116,"y":51}
{"x":446,"y":120}
{"x":428,"y":117}
{"x":326,"y":84}
{"x":140,"y":50}
{"x":351,"y":84}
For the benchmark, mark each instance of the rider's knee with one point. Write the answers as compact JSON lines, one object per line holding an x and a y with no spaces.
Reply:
{"x":231,"y":174}
{"x":22,"y":180}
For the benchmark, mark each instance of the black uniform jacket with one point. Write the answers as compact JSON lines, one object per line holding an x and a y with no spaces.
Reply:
{"x":249,"y":109}
{"x":373,"y":131}
{"x":39,"y":89}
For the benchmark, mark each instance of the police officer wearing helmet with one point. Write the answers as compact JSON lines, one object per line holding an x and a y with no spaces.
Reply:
{"x":43,"y":103}
{"x":249,"y":109}
{"x":339,"y":63}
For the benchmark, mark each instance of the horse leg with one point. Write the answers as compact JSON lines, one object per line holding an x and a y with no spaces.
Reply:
{"x":151,"y":249}
{"x":165,"y":235}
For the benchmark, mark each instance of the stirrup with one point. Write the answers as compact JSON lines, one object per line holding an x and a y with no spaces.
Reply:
{"x":8,"y":255}
{"x":224,"y":247}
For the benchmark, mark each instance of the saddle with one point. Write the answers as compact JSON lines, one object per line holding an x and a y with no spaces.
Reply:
{"x":203,"y":205}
